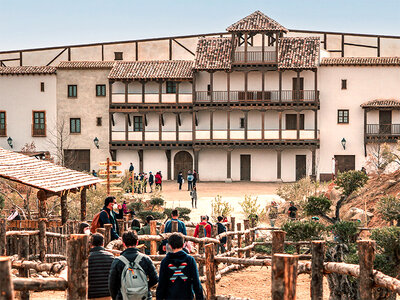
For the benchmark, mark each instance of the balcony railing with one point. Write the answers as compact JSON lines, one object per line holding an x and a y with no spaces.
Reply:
{"x":38,"y":130}
{"x":254,"y":57}
{"x":383,"y":129}
{"x":251,"y":96}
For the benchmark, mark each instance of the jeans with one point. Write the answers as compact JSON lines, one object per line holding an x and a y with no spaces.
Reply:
{"x":180,"y":185}
{"x":194,"y":202}
{"x":190,"y":185}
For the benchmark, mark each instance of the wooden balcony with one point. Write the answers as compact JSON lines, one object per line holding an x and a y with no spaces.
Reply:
{"x":254,"y":57}
{"x":382,"y":132}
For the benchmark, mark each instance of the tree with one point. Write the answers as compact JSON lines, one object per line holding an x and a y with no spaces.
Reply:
{"x":377,"y":158}
{"x":60,"y":140}
{"x":303,"y":230}
{"x":220,"y":207}
{"x":392,"y":154}
{"x":389,"y":208}
{"x":252,"y":209}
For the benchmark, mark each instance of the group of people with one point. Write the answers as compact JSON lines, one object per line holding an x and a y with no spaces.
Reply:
{"x":141,"y":180}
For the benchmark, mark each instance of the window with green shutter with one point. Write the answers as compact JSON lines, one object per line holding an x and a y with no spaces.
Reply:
{"x":75,"y":125}
{"x":3,"y":129}
{"x":72,"y":91}
{"x":100,"y":90}
{"x":39,"y":123}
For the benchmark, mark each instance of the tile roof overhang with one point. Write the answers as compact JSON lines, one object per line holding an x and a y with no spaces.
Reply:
{"x":85,"y":65}
{"x":299,"y":52}
{"x":381,"y":103}
{"x":360,"y":61}
{"x":213,"y":54}
{"x":41,"y":174}
{"x":28,"y":70}
{"x":152,"y":70}
{"x":256,"y":22}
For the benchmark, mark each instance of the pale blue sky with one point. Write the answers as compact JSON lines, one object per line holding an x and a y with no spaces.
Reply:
{"x":31,"y":24}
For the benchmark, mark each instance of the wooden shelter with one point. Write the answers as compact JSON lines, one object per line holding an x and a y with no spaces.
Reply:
{"x":50,"y":179}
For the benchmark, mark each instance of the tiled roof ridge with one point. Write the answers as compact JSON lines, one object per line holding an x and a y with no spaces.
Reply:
{"x":153,"y":61}
{"x":85,"y":64}
{"x":25,"y":70}
{"x":256,"y":21}
{"x":381,"y":103}
{"x":363,"y":61}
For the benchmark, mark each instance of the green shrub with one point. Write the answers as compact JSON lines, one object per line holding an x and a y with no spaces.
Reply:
{"x":389,"y":208}
{"x":157,"y":201}
{"x":317,"y":205}
{"x":137,"y":206}
{"x":303,"y":230}
{"x":220,"y":207}
{"x":345,"y":231}
{"x":351,"y":181}
{"x":144,"y":213}
{"x":2,"y":202}
{"x":183,"y":212}
{"x":252,"y":209}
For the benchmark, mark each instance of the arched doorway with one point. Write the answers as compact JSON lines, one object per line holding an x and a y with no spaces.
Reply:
{"x":183,"y":162}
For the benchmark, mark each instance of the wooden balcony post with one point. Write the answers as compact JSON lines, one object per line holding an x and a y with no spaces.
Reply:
{"x":83,"y":203}
{"x":177,"y":126}
{"x":315,"y":86}
{"x":168,"y":155}
{"x":317,"y":270}
{"x":194,"y":88}
{"x":193,"y":126}
{"x":140,"y":153}
{"x":228,"y":85}
{"x":246,"y":119}
{"x":143,"y":91}
{"x":313,"y":173}
{"x":160,"y":127}
{"x":276,"y":48}
{"x":228,"y":124}
{"x":211,"y":125}
{"x":110,"y":83}
{"x":177,"y":92}
{"x":262,"y":83}
{"x":280,"y":86}
{"x":298,"y":125}
{"x":126,"y":91}
{"x":316,"y":124}
{"x":64,"y":207}
{"x":263,"y":47}
{"x":211,"y":87}
{"x":263,"y":125}
{"x":229,"y":165}
{"x":160,"y":91}
{"x":246,"y":82}
{"x":245,"y":46}
{"x":366,"y":253}
{"x":42,"y":239}
{"x":284,"y":277}
{"x":143,"y":127}
{"x":126,"y":127}
{"x":196,"y":153}
{"x":279,"y":164}
{"x":365,"y":123}
{"x":42,"y":197}
{"x":280,"y":125}
{"x":297,"y":86}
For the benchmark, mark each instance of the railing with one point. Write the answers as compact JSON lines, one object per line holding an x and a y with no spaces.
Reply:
{"x":255,"y":56}
{"x":38,"y":131}
{"x":251,"y":96}
{"x":152,"y":97}
{"x":383,"y":129}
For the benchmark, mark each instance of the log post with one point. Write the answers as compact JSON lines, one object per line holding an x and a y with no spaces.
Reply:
{"x":247,"y":236}
{"x":366,"y":254}
{"x":107,"y":234}
{"x":214,"y":233}
{"x":42,"y":239}
{"x":210,"y":272}
{"x":83,"y":204}
{"x":174,"y":226}
{"x":42,"y":197}
{"x":201,"y":249}
{"x":228,"y":238}
{"x":317,"y":270}
{"x":278,"y":241}
{"x":64,"y":208}
{"x":239,"y":241}
{"x":77,"y":260}
{"x":284,"y":277}
{"x":233,"y":223}
{"x":23,"y":255}
{"x":153,"y":231}
{"x":3,"y":238}
{"x":102,"y":231}
{"x":121,"y":226}
{"x":6,"y":285}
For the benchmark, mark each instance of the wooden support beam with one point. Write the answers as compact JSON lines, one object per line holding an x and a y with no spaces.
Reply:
{"x":6,"y":285}
{"x":246,"y":84}
{"x":153,"y":231}
{"x":201,"y":249}
{"x":24,"y":255}
{"x":211,"y":124}
{"x":280,"y":125}
{"x":278,"y":241}
{"x":177,"y":92}
{"x":239,"y":239}
{"x":193,"y":126}
{"x":42,"y":239}
{"x":107,"y":234}
{"x":77,"y":255}
{"x":126,"y":91}
{"x":342,"y":48}
{"x":42,"y":197}
{"x":194,"y":88}
{"x":262,"y":84}
{"x":366,"y":254}
{"x":229,"y":165}
{"x":170,"y":49}
{"x":246,"y":124}
{"x":298,"y":125}
{"x":168,"y":154}
{"x":245,"y":46}
{"x":196,"y":153}
{"x":143,"y":91}
{"x":280,"y":86}
{"x":263,"y":47}
{"x":247,"y":236}
{"x":64,"y":207}
{"x":83,"y":203}
{"x":317,"y":270}
{"x":276,"y":47}
{"x":316,"y":96}
{"x":378,"y":46}
{"x":160,"y":91}
{"x":228,"y":124}
{"x":3,"y":238}
{"x":313,"y":163}
{"x":210,"y":272}
{"x":263,"y":125}
{"x":140,"y":153}
{"x":316,"y":124}
{"x":211,"y":87}
{"x":177,"y":126}
{"x":127,"y":121}
{"x":228,"y":238}
{"x":228,"y":85}
{"x":279,"y":164}
{"x":284,"y":277}
{"x":102,"y":52}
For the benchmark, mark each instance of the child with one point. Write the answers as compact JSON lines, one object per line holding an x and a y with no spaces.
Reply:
{"x":193,"y":195}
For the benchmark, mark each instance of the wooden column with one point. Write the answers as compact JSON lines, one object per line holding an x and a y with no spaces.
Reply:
{"x":239,"y":239}
{"x":246,"y":84}
{"x":24,"y":255}
{"x":42,"y":197}
{"x":228,"y":85}
{"x":228,"y":238}
{"x":228,"y":124}
{"x":6,"y":285}
{"x":77,"y":255}
{"x":83,"y":203}
{"x":316,"y":123}
{"x":313,"y":163}
{"x":246,"y":121}
{"x":143,"y":127}
{"x":298,"y":86}
{"x":278,"y":241}
{"x":193,"y":126}
{"x":160,"y":127}
{"x":177,"y":92}
{"x":160,"y":91}
{"x":279,"y":164}
{"x":210,"y":272}
{"x":107,"y":234}
{"x":168,"y":154}
{"x":229,"y":165}
{"x":64,"y":207}
{"x":153,"y":231}
{"x":121,"y":226}
{"x":245,"y":46}
{"x":211,"y":124}
{"x":317,"y":270}
{"x":201,"y":249}
{"x":280,"y":86}
{"x":140,"y":153}
{"x":247,"y":236}
{"x":3,"y":238}
{"x":263,"y":125}
{"x":211,"y":87}
{"x":177,"y":126}
{"x":233,"y":223}
{"x":276,"y":47}
{"x":143,"y":91}
{"x":316,"y":96}
{"x":366,"y":254}
{"x":298,"y":125}
{"x":194,"y":88}
{"x":126,"y":91}
{"x":284,"y":277}
{"x":127,"y":127}
{"x":42,"y":239}
{"x":196,"y":153}
{"x":262,"y":83}
{"x":280,"y":125}
{"x":263,"y":47}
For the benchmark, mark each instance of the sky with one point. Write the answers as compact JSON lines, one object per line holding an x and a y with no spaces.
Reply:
{"x":26,"y":24}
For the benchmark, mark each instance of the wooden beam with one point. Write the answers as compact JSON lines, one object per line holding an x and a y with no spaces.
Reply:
{"x":177,"y":126}
{"x":77,"y":254}
{"x":3,"y":238}
{"x":143,"y":127}
{"x":246,"y":125}
{"x":298,"y":125}
{"x":126,"y":91}
{"x":280,"y":86}
{"x":177,"y":92}
{"x":69,"y":53}
{"x":313,"y":163}
{"x":246,"y":84}
{"x":263,"y":125}
{"x":245,"y":46}
{"x":284,"y":277}
{"x":188,"y":50}
{"x":42,"y":239}
{"x":143,"y":91}
{"x":160,"y":127}
{"x":262,"y":85}
{"x":263,"y":47}
{"x":160,"y":91}
{"x":378,"y":47}
{"x":193,"y":126}
{"x":228,"y":124}
{"x":194,"y":88}
{"x":102,"y":52}
{"x":229,"y":165}
{"x":64,"y":208}
{"x":211,"y":87}
{"x":168,"y":154}
{"x":280,"y":125}
{"x":317,"y":270}
{"x":315,"y":124}
{"x":83,"y":203}
{"x":196,"y":153}
{"x":342,"y":48}
{"x":170,"y":48}
{"x":57,"y":56}
{"x":316,"y":96}
{"x":279,"y":164}
{"x":140,"y":153}
{"x":228,"y":85}
{"x":42,"y":197}
{"x":366,"y":254}
{"x":136,"y":51}
{"x":126,"y":127}
{"x":276,"y":48}
{"x":211,"y":124}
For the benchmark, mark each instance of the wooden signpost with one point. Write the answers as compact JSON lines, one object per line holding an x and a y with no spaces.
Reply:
{"x":107,"y":172}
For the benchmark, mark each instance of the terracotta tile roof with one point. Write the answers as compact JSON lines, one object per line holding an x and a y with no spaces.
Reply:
{"x":298,"y":52}
{"x":257,"y":21}
{"x":27,"y":70}
{"x":158,"y":69}
{"x":86,"y":65}
{"x":377,"y":103}
{"x":213,"y":54}
{"x":41,"y":174}
{"x":360,"y":61}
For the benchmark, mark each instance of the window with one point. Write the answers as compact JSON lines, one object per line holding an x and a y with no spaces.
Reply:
{"x":72,"y":91}
{"x":118,"y":55}
{"x":208,"y":89}
{"x":343,"y":116}
{"x":42,"y":86}
{"x":100,"y":90}
{"x":137,"y":123}
{"x":75,"y":125}
{"x":3,"y":124}
{"x":291,"y":122}
{"x":171,"y":87}
{"x":39,"y":123}
{"x":99,"y":121}
{"x":242,"y":122}
{"x":344,"y":84}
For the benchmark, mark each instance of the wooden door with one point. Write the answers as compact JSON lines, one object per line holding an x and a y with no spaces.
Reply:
{"x":298,"y":95}
{"x":345,"y":163}
{"x":301,"y":166}
{"x":245,"y":167}
{"x":385,"y":121}
{"x":291,"y":122}
{"x":183,"y":162}
{"x":77,"y":159}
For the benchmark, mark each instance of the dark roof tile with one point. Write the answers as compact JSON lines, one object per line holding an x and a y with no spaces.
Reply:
{"x":299,"y":52}
{"x":213,"y":54}
{"x":257,"y":21}
{"x":360,"y":61}
{"x":27,"y":70}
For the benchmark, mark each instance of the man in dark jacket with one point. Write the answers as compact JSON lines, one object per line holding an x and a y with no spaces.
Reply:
{"x":180,"y":180}
{"x":130,"y":241}
{"x":108,"y":216}
{"x":146,"y":230}
{"x":151,"y":181}
{"x":179,"y":277}
{"x":100,"y":262}
{"x":221,"y":229}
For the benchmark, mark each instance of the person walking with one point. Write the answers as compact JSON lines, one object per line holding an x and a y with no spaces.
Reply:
{"x":292,"y":211}
{"x":151,"y":181}
{"x":99,"y":265}
{"x":190,"y":180}
{"x":207,"y":227}
{"x":168,"y":228}
{"x":273,"y":213}
{"x":108,"y":216}
{"x":144,"y":182}
{"x":193,"y":195}
{"x":180,"y":180}
{"x":221,"y":228}
{"x":135,"y":226}
{"x":121,"y":282}
{"x":195,"y":177}
{"x":179,"y":276}
{"x":158,"y":180}
{"x":145,"y":230}
{"x":131,"y":168}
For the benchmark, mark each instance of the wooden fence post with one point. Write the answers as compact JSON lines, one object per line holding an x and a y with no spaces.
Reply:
{"x":214,"y":233}
{"x":366,"y":254}
{"x":210,"y":272}
{"x":6,"y":285}
{"x":153,"y":231}
{"x":121,"y":226}
{"x":77,"y":260}
{"x":317,"y":270}
{"x":278,"y":241}
{"x":42,"y":197}
{"x":3,"y":238}
{"x":107,"y":234}
{"x":247,"y":236}
{"x":42,"y":239}
{"x":233,"y":223}
{"x":83,"y":203}
{"x":201,"y":249}
{"x":23,"y":255}
{"x":64,"y":208}
{"x":239,"y":239}
{"x":174,"y":226}
{"x":228,"y":238}
{"x":284,"y":277}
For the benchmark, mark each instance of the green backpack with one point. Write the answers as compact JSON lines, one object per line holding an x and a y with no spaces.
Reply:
{"x":134,"y":284}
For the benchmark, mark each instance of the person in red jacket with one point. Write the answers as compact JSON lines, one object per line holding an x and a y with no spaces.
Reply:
{"x":207,"y":227}
{"x":158,"y":180}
